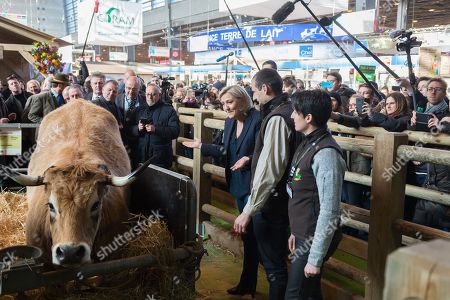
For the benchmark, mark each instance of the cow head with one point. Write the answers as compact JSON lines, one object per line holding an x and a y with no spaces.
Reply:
{"x":75,"y":198}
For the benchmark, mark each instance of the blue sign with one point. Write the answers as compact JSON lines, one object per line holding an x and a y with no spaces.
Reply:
{"x":358,"y":49}
{"x":306,"y":51}
{"x":267,"y":33}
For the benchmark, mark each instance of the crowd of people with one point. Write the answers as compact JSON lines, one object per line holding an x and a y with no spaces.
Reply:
{"x":282,"y":164}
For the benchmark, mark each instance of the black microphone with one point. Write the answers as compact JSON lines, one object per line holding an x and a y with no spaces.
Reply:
{"x":396,"y":33}
{"x":283,"y":12}
{"x":327,"y":21}
{"x":224,"y":57}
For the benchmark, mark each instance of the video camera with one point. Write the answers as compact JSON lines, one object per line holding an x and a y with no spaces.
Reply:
{"x":201,"y":91}
{"x":406,"y":42}
{"x":165,"y":85}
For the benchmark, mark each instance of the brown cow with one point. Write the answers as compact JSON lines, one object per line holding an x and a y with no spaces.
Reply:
{"x":77,"y":200}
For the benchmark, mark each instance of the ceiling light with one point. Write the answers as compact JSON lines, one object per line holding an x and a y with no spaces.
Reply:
{"x":431,"y":9}
{"x":414,"y":21}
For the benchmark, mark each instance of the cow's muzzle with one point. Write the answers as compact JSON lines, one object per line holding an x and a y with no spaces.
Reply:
{"x":71,"y":254}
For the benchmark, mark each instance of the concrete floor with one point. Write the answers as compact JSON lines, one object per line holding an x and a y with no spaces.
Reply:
{"x":221,"y":270}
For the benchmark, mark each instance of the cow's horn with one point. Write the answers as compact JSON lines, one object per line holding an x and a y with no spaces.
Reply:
{"x":22,"y":179}
{"x":126,"y":180}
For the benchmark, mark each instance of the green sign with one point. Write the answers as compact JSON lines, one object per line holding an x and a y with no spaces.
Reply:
{"x":369,"y":72}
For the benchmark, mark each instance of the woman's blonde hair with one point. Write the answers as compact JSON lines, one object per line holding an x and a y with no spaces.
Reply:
{"x":240,"y":94}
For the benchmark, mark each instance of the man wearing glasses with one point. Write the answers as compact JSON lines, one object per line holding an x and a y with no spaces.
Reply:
{"x":156,"y":125}
{"x":436,"y":106}
{"x":128,"y":103}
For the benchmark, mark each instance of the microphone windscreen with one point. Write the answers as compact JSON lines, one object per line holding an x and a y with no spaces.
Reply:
{"x":283,"y":12}
{"x":396,"y":33}
{"x":325,"y":21}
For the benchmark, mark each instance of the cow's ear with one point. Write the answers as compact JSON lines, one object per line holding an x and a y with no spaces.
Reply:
{"x":104,"y":168}
{"x":46,"y":174}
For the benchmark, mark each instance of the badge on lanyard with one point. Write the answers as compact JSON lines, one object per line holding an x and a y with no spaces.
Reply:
{"x":297,"y":175}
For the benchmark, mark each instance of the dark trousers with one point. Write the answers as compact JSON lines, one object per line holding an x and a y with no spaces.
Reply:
{"x":271,"y":232}
{"x":249,"y":275}
{"x":299,"y":287}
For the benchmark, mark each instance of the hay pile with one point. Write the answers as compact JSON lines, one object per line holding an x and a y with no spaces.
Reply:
{"x":13,"y":210}
{"x":166,"y":280}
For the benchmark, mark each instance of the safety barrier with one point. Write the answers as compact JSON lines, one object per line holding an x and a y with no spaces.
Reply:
{"x":388,"y":230}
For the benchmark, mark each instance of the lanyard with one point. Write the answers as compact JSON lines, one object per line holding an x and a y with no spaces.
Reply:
{"x":298,"y":160}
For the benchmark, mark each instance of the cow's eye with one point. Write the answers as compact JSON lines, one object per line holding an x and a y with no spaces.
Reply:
{"x":51,"y":207}
{"x":95,"y":207}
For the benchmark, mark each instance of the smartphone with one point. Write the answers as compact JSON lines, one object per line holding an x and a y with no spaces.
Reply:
{"x":422,"y":121}
{"x":423,"y":117}
{"x":359,"y":104}
{"x":326,"y":84}
{"x":396,"y":88}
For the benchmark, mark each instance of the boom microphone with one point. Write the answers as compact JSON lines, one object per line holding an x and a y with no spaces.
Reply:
{"x":224,"y":57}
{"x":396,"y":33}
{"x":327,"y":21}
{"x":283,"y":12}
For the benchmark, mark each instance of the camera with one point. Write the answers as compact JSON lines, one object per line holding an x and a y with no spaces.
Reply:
{"x":146,"y":121}
{"x":406,"y":42}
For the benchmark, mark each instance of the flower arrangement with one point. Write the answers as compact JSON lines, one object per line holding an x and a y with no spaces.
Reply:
{"x":47,"y":58}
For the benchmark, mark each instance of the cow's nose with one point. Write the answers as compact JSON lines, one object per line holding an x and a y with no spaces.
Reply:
{"x":70,"y":254}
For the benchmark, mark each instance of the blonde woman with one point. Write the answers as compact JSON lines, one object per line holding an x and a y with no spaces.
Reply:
{"x":240,"y":132}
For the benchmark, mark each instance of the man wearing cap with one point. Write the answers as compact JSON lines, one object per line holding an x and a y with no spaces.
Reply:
{"x":217,"y":87}
{"x":45,"y":102}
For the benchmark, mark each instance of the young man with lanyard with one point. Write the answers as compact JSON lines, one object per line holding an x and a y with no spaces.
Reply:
{"x":314,"y":186}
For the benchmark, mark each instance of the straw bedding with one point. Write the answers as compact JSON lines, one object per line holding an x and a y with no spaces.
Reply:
{"x":166,"y":280}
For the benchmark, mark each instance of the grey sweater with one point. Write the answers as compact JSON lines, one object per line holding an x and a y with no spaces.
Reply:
{"x":329,"y":168}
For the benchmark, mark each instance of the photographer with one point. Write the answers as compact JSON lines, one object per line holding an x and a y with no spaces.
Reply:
{"x":156,"y":125}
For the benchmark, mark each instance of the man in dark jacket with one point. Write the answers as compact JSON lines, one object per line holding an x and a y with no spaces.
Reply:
{"x":438,"y":176}
{"x":156,"y":125}
{"x":17,"y":100}
{"x":268,"y":201}
{"x":128,"y":104}
{"x":107,"y":100}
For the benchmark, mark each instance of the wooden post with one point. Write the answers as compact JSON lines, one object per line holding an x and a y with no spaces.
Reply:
{"x":176,"y":147}
{"x":388,"y":195}
{"x":421,"y":271}
{"x":202,"y":180}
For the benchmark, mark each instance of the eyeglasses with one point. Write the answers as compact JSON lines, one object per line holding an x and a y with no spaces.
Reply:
{"x":152,"y":95}
{"x":437,"y":90}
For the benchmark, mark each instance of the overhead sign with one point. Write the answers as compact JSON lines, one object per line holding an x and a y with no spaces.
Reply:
{"x":429,"y":61}
{"x":264,"y":33}
{"x":306,"y":51}
{"x":368,"y":71}
{"x":22,"y":19}
{"x":117,"y":23}
{"x":358,"y":22}
{"x":118,"y":56}
{"x":158,"y":51}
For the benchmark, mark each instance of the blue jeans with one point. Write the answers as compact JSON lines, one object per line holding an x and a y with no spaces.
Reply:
{"x":299,"y":287}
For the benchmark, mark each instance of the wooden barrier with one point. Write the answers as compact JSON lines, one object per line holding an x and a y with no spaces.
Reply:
{"x":202,"y":180}
{"x":385,"y":207}
{"x":419,"y":272}
{"x":387,"y":229}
